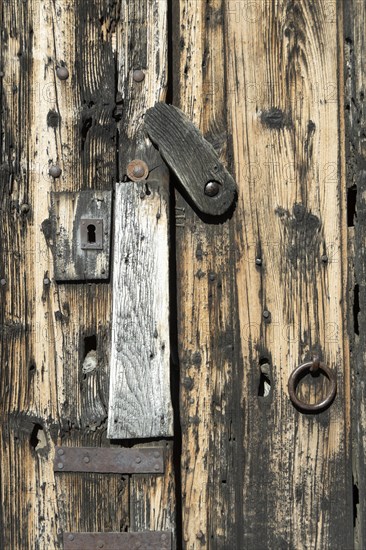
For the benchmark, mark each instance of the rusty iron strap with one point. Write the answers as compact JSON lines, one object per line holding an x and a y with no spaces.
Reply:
{"x":147,"y":460}
{"x":148,"y":540}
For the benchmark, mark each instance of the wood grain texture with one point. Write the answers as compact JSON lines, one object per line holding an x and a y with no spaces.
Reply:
{"x":192,"y":159}
{"x":139,"y":395}
{"x":46,"y":397}
{"x":257,"y":473}
{"x":355,"y":120}
{"x":68,"y":212}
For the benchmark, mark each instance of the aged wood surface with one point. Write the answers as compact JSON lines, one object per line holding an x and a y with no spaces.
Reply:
{"x":355,"y":116}
{"x":139,"y":396}
{"x":260,"y":79}
{"x":70,"y":235}
{"x":193,"y":159}
{"x":55,"y":338}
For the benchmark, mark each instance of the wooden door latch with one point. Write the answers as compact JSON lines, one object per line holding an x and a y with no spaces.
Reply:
{"x":192,"y":158}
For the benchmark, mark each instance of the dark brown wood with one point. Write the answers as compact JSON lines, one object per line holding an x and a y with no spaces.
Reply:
{"x":192,"y":158}
{"x":355,"y":120}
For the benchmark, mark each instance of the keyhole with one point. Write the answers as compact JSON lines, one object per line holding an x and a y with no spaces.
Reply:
{"x":91,"y":233}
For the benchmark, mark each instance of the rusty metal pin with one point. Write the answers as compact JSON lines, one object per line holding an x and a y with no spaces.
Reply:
{"x":212,"y":188}
{"x":298,"y":373}
{"x":137,"y":170}
{"x":138,"y":75}
{"x":55,"y":171}
{"x":62,"y":73}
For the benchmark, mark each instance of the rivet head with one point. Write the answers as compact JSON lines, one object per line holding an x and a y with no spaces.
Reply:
{"x":71,"y":537}
{"x":258,"y":261}
{"x":138,"y":75}
{"x":156,"y":467}
{"x":61,"y":452}
{"x":55,"y":171}
{"x":60,"y":466}
{"x":86,"y":459}
{"x":100,"y":544}
{"x":266,"y":314}
{"x":157,"y":454}
{"x":137,"y":170}
{"x":24,"y":208}
{"x":325,"y":259}
{"x":212,"y":188}
{"x":62,"y":73}
{"x":163,"y":536}
{"x":3,"y":282}
{"x":138,"y":459}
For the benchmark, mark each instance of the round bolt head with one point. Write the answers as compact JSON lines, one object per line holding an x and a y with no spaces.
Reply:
{"x":24,"y":208}
{"x":62,"y":73}
{"x":55,"y":171}
{"x":138,"y":75}
{"x":100,"y":544}
{"x":71,"y":537}
{"x":86,"y":459}
{"x":156,"y":467}
{"x":137,"y":170}
{"x":258,"y":261}
{"x":266,"y":314}
{"x":60,"y":466}
{"x":46,"y":281}
{"x":138,"y":459}
{"x":212,"y":188}
{"x":157,"y":454}
{"x":3,"y":282}
{"x":61,"y":452}
{"x":325,"y":259}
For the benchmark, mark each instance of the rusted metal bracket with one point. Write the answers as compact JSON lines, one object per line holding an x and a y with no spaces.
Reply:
{"x":110,"y":461}
{"x":147,"y":540}
{"x":193,"y":159}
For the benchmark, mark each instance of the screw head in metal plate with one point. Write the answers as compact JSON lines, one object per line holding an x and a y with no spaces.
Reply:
{"x":55,"y":171}
{"x":60,"y":466}
{"x":62,"y":73}
{"x":86,"y":459}
{"x":212,"y":188}
{"x":138,"y":75}
{"x":137,"y":170}
{"x":100,"y":544}
{"x":61,"y":452}
{"x":71,"y":537}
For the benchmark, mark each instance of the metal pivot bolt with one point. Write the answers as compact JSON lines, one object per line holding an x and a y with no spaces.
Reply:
{"x":137,"y":170}
{"x":312,"y":367}
{"x":212,"y":188}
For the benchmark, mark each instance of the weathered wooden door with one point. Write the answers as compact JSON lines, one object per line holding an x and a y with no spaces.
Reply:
{"x":277,"y":87}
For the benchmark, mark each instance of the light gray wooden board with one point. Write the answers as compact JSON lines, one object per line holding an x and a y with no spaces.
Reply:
{"x":68,"y":209}
{"x":140,"y":401}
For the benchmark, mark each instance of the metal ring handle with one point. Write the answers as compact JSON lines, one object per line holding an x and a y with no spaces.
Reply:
{"x":294,"y":379}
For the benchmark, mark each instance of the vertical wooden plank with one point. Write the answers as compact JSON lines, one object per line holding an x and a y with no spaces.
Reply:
{"x":141,"y":43}
{"x":54,"y":338}
{"x":355,"y":119}
{"x":256,"y":473}
{"x":139,"y":396}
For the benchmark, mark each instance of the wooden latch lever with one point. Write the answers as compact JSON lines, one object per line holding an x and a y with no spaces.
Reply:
{"x":193,"y":159}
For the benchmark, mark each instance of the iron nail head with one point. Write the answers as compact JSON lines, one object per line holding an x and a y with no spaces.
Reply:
{"x":86,"y":459}
{"x":138,"y":75}
{"x":156,"y":467}
{"x":71,"y":537}
{"x":137,"y":170}
{"x":325,"y":259}
{"x":138,"y":459}
{"x":157,"y":454}
{"x":61,"y":452}
{"x":24,"y":208}
{"x":212,"y":188}
{"x":266,"y":314}
{"x":60,"y":466}
{"x":258,"y":261}
{"x":62,"y":73}
{"x":55,"y":171}
{"x":3,"y":282}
